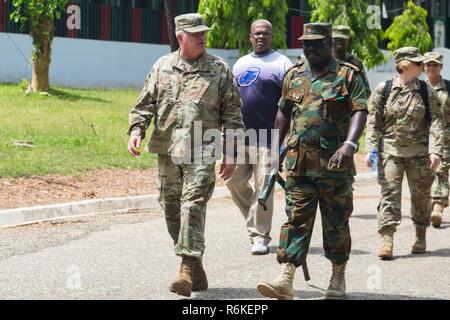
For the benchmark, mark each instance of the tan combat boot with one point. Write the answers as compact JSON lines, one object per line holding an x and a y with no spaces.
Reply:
{"x":420,"y":245}
{"x":387,"y":243}
{"x":336,"y":289}
{"x":200,"y":282}
{"x":281,"y":288}
{"x":436,"y":215}
{"x":182,"y":285}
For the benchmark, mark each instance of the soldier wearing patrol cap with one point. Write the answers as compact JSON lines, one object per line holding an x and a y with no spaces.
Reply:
{"x":185,"y":87}
{"x":341,"y":39}
{"x":440,"y":188}
{"x":405,"y":127}
{"x":323,"y":106}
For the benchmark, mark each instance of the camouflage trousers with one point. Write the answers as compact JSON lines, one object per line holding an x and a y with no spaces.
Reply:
{"x":440,"y":187}
{"x":184,"y":191}
{"x":390,"y":176}
{"x":303,"y":195}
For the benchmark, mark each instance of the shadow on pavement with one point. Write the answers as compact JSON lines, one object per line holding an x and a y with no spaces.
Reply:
{"x":444,"y":225}
{"x":436,"y":253}
{"x":318,"y":250}
{"x":365,"y":216}
{"x":378,"y":296}
{"x":248,"y":293}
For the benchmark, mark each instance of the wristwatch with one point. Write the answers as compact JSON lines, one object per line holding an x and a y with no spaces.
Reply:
{"x":354,"y":145}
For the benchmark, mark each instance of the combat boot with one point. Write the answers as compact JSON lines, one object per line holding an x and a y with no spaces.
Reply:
{"x":436,"y":215}
{"x":336,"y":289}
{"x":199,"y":280}
{"x":420,"y":245}
{"x":182,"y":285}
{"x":387,"y":243}
{"x":281,"y":288}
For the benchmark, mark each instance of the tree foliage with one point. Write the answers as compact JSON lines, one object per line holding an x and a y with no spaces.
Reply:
{"x":40,"y":16}
{"x":230,"y":21}
{"x":410,"y":30}
{"x":353,"y":13}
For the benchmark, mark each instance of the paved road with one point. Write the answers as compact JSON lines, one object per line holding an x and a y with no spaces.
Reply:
{"x":129,"y":256}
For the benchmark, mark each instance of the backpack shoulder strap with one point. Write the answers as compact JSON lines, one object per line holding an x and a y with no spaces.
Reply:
{"x":386,"y":91}
{"x":447,"y":85}
{"x":424,"y":95}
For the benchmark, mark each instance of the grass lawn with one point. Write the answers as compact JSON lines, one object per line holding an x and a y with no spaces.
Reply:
{"x":72,"y":130}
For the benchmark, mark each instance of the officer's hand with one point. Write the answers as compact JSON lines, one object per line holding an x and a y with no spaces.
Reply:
{"x":368,"y":162}
{"x":227,"y":167}
{"x":435,"y":161}
{"x":345,"y":156}
{"x":134,"y":143}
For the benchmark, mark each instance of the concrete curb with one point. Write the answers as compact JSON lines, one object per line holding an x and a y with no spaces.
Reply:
{"x":24,"y":216}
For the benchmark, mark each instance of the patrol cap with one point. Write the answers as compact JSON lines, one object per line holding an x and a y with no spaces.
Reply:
{"x":408,"y":53}
{"x":316,"y":31}
{"x":190,"y":22}
{"x":433,"y":57}
{"x":342,"y":32}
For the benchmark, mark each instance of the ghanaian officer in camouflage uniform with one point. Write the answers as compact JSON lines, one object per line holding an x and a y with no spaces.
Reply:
{"x":440,"y":188}
{"x":184,"y":88}
{"x":324,"y":104}
{"x":341,"y":39}
{"x":409,"y":140}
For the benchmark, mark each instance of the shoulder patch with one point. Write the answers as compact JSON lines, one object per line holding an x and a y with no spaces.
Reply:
{"x":299,"y":65}
{"x":350,"y":65}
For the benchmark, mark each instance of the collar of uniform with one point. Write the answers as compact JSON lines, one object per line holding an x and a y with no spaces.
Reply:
{"x":200,"y":65}
{"x":440,"y":85}
{"x":330,"y":68}
{"x":414,"y":85}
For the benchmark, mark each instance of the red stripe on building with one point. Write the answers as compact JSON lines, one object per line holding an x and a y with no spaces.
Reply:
{"x":108,"y":19}
{"x":165,"y":29}
{"x":105,"y":24}
{"x":2,"y":15}
{"x":296,"y":31}
{"x":137,"y":25}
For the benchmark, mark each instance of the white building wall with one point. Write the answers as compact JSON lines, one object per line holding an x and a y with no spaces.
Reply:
{"x":109,"y":64}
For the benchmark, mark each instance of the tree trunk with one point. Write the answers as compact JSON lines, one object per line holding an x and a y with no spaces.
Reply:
{"x":42,"y":32}
{"x":171,"y":7}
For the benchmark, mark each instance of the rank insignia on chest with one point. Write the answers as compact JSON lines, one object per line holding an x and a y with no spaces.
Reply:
{"x":296,"y":94}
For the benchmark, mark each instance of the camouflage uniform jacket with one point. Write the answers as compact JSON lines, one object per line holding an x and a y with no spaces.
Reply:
{"x":358,"y":63}
{"x":399,"y":128}
{"x":444,"y":99}
{"x":177,"y":93}
{"x":320,"y":110}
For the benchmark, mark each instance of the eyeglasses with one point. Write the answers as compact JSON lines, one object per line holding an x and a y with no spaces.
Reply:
{"x":314,"y":43}
{"x":261,"y":34}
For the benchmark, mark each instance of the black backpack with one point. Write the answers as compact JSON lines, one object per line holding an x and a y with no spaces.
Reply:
{"x":447,"y":84}
{"x":423,"y":93}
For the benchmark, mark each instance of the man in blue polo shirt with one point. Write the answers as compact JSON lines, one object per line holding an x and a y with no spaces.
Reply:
{"x":259,"y":76}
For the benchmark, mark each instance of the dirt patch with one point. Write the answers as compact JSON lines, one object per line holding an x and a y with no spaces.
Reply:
{"x":53,"y":189}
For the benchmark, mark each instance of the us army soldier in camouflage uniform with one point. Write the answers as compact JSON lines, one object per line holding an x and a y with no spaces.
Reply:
{"x":440,"y":188}
{"x":341,"y":39}
{"x":325,"y":101}
{"x":183,"y":87}
{"x":407,"y":142}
